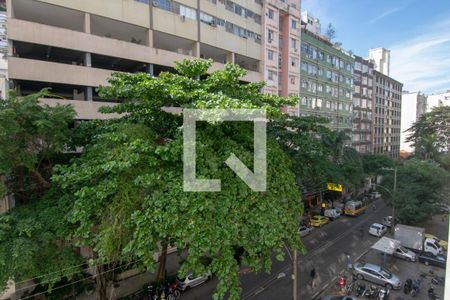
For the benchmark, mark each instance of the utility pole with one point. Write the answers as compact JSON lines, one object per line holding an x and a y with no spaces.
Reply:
{"x":393,"y":201}
{"x":294,"y":276}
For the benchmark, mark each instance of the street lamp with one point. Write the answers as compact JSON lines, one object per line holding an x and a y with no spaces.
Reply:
{"x":392,"y":195}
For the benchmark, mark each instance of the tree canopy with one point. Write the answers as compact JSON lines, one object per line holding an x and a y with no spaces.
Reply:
{"x":127,"y":185}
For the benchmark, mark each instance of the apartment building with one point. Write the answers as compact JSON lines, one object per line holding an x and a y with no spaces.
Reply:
{"x":438,"y":99}
{"x":74,"y":46}
{"x":386,"y":114}
{"x":414,"y":104}
{"x":381,"y":58}
{"x":362,"y":105}
{"x":326,"y":79}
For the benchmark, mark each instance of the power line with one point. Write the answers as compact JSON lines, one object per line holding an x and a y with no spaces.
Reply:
{"x":71,"y":283}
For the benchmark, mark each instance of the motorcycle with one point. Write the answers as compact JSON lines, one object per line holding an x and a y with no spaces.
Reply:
{"x":372,"y":292}
{"x":407,"y":286}
{"x":360,"y":288}
{"x":431,"y":294}
{"x":415,"y":288}
{"x":383,"y":294}
{"x":437,"y":280}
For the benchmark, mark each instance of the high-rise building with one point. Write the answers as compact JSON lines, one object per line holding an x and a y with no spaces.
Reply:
{"x":74,"y":46}
{"x":312,"y":24}
{"x":382,"y":59}
{"x":437,"y":100}
{"x":414,"y":104}
{"x":281,"y":48}
{"x":362,"y":105}
{"x":386,"y":114}
{"x":326,"y":80}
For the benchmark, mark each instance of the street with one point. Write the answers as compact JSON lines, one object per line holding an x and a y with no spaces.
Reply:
{"x":326,"y":247}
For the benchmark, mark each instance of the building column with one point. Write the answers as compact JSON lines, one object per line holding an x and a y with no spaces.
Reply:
{"x":196,"y":49}
{"x":87,"y":23}
{"x":150,"y":38}
{"x":150,"y":70}
{"x":230,"y":57}
{"x":9,"y":9}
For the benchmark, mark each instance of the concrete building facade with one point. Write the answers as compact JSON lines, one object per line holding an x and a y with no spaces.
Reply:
{"x":437,"y":100}
{"x":382,"y":60}
{"x":362,"y":105}
{"x":326,"y":81}
{"x":74,"y":46}
{"x":414,"y":104}
{"x":386,"y":114}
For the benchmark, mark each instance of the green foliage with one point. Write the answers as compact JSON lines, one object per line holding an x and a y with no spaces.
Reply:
{"x":31,"y":136}
{"x":127,"y":185}
{"x":373,"y":164}
{"x":33,"y":242}
{"x":419,"y":190}
{"x":430,"y":134}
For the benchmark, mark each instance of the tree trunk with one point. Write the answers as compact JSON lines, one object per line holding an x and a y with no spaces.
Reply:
{"x":161,"y":275}
{"x":100,"y":282}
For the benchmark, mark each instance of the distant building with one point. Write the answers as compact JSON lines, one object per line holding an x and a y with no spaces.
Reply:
{"x":362,"y":105}
{"x":382,"y":59}
{"x":312,"y":23}
{"x":438,"y":99}
{"x":414,"y":104}
{"x":386,"y":115}
{"x":326,"y":80}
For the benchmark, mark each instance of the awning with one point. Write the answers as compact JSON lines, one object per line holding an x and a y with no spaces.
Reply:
{"x":386,"y":245}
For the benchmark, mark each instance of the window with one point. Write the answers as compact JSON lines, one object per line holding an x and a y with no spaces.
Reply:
{"x":319,"y":87}
{"x":270,"y":35}
{"x":319,"y":103}
{"x":271,"y":75}
{"x":320,"y":55}
{"x":357,"y":66}
{"x":294,"y":62}
{"x":270,"y":13}
{"x":269,"y":54}
{"x":163,"y":4}
{"x":294,"y":24}
{"x":365,"y":68}
{"x":304,"y":66}
{"x":292,"y":79}
{"x":188,"y":12}
{"x":294,"y":44}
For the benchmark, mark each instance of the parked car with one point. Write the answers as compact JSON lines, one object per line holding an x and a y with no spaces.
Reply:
{"x":375,"y":195}
{"x":332,"y":214}
{"x":377,"y":229}
{"x":387,"y":221}
{"x":304,"y":230}
{"x":319,"y":221}
{"x":404,"y":253}
{"x":185,"y":283}
{"x":337,"y":297}
{"x":440,"y":242}
{"x":434,"y":260}
{"x":378,"y":275}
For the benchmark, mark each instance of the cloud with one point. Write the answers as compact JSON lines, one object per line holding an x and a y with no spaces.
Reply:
{"x":384,"y":14}
{"x":423,"y":63}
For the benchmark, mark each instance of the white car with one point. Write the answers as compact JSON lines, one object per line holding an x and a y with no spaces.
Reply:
{"x":375,"y":195}
{"x":377,"y":229}
{"x":403,"y":253}
{"x":304,"y":230}
{"x":185,"y":283}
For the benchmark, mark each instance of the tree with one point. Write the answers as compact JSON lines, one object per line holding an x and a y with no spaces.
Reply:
{"x":127,"y":185}
{"x":330,"y":32}
{"x":32,"y":139}
{"x":373,"y":164}
{"x":430,"y":134}
{"x":34,"y":244}
{"x":419,"y":190}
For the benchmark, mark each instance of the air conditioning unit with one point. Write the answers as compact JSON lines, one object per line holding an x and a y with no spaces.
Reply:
{"x":183,"y":18}
{"x":270,"y":40}
{"x":213,"y":23}
{"x":155,"y":3}
{"x":295,"y":50}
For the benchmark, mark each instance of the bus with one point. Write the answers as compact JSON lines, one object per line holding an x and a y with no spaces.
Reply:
{"x":354,"y":208}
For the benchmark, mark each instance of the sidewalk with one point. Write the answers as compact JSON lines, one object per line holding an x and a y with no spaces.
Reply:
{"x":135,"y":283}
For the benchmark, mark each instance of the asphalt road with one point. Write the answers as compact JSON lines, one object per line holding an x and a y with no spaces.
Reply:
{"x":326,"y":253}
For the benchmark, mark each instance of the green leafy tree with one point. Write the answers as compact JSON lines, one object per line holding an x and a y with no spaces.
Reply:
{"x":419,"y":190}
{"x":127,"y":185}
{"x":373,"y":164}
{"x":430,"y":134}
{"x":34,"y":245}
{"x":32,"y":138}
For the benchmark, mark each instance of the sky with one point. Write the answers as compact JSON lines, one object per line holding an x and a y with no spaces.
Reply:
{"x":416,"y":31}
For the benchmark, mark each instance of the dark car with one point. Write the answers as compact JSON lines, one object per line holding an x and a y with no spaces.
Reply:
{"x":434,"y":260}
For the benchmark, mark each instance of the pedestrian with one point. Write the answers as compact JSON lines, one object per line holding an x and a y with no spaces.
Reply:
{"x":313,"y":277}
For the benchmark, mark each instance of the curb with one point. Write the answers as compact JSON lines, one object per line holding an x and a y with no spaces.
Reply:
{"x":318,"y":293}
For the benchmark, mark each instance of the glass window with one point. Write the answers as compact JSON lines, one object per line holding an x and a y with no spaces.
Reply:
{"x":293,"y":43}
{"x":357,"y":66}
{"x":270,"y":35}
{"x":294,"y":24}
{"x":270,"y":13}
{"x":304,"y":66}
{"x":188,"y":12}
{"x":269,"y":54}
